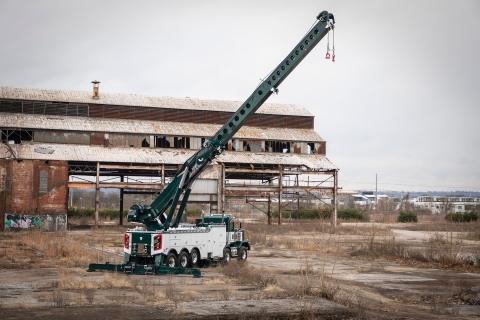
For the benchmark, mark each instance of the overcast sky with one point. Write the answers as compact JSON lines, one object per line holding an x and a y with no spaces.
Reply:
{"x":401,"y":100}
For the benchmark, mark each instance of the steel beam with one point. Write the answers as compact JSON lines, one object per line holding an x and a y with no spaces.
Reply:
{"x":152,"y":168}
{"x":334,"y":196}
{"x":280,"y":191}
{"x":245,"y":170}
{"x":121,"y":202}
{"x":97,"y":195}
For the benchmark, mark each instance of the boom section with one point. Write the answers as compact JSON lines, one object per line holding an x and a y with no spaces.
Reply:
{"x":270,"y":84}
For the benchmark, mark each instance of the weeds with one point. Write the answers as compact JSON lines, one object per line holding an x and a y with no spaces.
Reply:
{"x":60,"y":298}
{"x":89,"y":295}
{"x":58,"y":245}
{"x":243,"y":273}
{"x":316,"y":282}
{"x":170,"y":290}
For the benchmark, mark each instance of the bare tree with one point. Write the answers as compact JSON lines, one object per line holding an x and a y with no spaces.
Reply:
{"x":386,"y":204}
{"x":405,"y":204}
{"x":445,"y":206}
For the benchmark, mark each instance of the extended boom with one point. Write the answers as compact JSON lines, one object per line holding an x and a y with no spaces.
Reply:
{"x":155,"y":216}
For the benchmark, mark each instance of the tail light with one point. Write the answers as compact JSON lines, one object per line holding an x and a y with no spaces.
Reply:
{"x":126,"y":241}
{"x":157,"y":242}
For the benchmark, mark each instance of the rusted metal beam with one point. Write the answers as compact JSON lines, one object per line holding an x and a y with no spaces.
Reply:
{"x":269,"y":206}
{"x":280,"y":191}
{"x":117,"y":185}
{"x":97,"y":195}
{"x":255,"y":188}
{"x":229,"y":188}
{"x":131,"y":185}
{"x":335,"y":190}
{"x":163,"y":177}
{"x":221,"y":188}
{"x":121,"y":202}
{"x":245,"y":170}
{"x":153,"y":168}
{"x":81,"y":185}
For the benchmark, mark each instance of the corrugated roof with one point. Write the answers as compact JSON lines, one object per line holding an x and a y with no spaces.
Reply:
{"x":44,"y":122}
{"x":144,"y":101}
{"x":156,"y":156}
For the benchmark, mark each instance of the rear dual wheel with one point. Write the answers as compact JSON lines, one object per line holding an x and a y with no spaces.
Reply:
{"x":194,"y":258}
{"x":171,"y":260}
{"x":183,"y":260}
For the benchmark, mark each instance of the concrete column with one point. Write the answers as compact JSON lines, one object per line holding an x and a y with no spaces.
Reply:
{"x":269,"y":205}
{"x":97,"y":195}
{"x":335,"y":188}
{"x":221,"y":188}
{"x":163,"y":177}
{"x":280,"y":191}
{"x":297,"y":183}
{"x":121,"y":202}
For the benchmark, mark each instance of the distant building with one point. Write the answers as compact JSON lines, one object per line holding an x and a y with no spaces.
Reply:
{"x":443,"y":205}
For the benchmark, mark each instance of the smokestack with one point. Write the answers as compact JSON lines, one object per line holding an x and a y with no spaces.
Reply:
{"x":95,"y":89}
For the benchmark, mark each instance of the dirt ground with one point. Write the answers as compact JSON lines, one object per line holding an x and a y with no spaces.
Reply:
{"x":305,"y":283}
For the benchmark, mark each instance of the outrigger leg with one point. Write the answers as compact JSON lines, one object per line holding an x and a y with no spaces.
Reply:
{"x":133,"y":268}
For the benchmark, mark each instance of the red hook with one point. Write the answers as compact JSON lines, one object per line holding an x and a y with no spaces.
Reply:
{"x":333,"y":58}
{"x":327,"y":56}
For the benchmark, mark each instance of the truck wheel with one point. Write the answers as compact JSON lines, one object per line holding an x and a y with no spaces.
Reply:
{"x":194,"y":258}
{"x":183,"y":260}
{"x":171,"y":260}
{"x":242,"y":254}
{"x":227,"y":255}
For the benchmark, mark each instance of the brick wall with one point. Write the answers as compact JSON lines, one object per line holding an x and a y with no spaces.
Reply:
{"x":21,"y":191}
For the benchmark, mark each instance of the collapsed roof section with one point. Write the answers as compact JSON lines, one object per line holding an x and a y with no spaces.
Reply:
{"x":169,"y":128}
{"x":62,"y":152}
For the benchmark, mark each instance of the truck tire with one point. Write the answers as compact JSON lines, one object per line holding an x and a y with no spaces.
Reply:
{"x":242,"y":254}
{"x":227,"y":255}
{"x":194,"y":258}
{"x":171,"y":260}
{"x":183,"y":260}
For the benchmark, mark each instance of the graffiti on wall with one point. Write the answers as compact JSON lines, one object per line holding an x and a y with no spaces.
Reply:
{"x":27,"y":222}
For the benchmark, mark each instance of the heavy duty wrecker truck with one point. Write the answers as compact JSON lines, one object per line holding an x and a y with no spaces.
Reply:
{"x":162,"y":247}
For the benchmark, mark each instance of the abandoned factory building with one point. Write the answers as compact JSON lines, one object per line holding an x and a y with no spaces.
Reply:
{"x":57,"y":140}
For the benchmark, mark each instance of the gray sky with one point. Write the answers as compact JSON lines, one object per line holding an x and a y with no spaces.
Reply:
{"x":401,"y":100}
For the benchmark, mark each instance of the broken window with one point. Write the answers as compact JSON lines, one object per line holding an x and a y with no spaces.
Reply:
{"x":181,"y":142}
{"x":43,"y":188}
{"x":3,"y":183}
{"x":16,"y":136}
{"x":128,"y":140}
{"x":196,"y":143}
{"x":62,"y":137}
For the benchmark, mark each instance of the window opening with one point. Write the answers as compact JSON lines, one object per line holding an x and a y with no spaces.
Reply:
{"x":43,"y":188}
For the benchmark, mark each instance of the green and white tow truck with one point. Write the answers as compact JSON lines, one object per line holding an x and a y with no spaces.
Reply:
{"x":160,"y":246}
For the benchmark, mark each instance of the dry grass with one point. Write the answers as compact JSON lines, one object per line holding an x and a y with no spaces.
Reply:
{"x":58,"y":245}
{"x":109,"y":281}
{"x":60,"y":298}
{"x":120,"y":288}
{"x":438,"y":223}
{"x":446,"y":246}
{"x":316,"y":283}
{"x":246,"y":274}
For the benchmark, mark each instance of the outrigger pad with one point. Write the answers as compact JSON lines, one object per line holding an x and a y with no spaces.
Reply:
{"x":143,"y":269}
